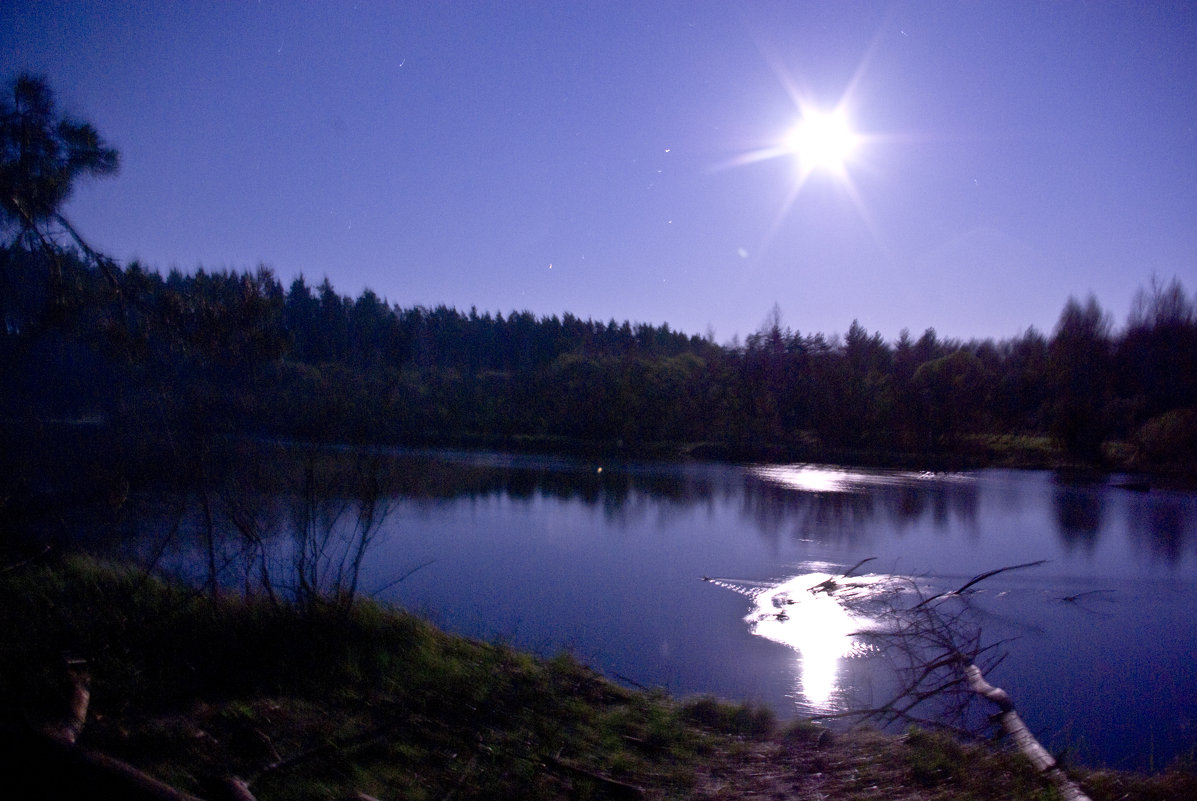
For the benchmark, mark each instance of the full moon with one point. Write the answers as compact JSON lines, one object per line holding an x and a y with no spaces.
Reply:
{"x":822,"y":141}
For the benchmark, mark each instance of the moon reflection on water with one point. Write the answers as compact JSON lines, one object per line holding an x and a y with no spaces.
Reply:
{"x":822,"y":616}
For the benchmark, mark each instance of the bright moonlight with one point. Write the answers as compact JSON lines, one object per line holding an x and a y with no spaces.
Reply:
{"x":822,"y":141}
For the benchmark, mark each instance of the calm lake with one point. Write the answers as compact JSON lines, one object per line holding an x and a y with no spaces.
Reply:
{"x":606,"y":560}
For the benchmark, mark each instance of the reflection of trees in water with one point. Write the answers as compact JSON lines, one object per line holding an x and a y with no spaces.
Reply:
{"x":615,"y":488}
{"x":1166,"y":523}
{"x":868,"y":502}
{"x":838,"y":517}
{"x":1079,"y":513}
{"x":297,"y":527}
{"x":946,"y":502}
{"x":846,"y":516}
{"x":825,"y":516}
{"x":621,"y":492}
{"x":629,"y":490}
{"x":261,"y":499}
{"x":951,"y":502}
{"x":910,"y":504}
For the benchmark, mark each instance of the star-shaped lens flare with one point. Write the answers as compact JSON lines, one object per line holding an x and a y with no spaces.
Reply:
{"x":818,"y":143}
{"x":822,"y":141}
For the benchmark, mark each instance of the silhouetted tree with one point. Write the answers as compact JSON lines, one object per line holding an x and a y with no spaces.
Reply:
{"x":954,"y":390}
{"x":858,"y":406}
{"x":1022,"y":390}
{"x":42,"y":157}
{"x":1080,"y":368}
{"x":1157,"y":356}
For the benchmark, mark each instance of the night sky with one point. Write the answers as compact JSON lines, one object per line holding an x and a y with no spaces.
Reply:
{"x":624,"y":160}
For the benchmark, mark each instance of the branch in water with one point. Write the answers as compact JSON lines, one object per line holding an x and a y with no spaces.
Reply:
{"x":852,"y":569}
{"x":979,"y":578}
{"x":399,"y":580}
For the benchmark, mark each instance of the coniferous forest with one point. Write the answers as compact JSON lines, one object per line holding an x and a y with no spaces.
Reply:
{"x":240,"y":353}
{"x":173,"y":364}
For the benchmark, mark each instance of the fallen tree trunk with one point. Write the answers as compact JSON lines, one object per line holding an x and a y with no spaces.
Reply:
{"x":937,"y":651}
{"x":1013,"y":725}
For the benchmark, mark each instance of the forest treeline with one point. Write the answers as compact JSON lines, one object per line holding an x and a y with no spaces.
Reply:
{"x":218,"y":352}
{"x":184,"y":359}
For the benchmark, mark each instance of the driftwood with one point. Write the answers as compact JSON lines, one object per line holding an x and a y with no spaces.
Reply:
{"x":830,"y":585}
{"x":1025,"y":741}
{"x":236,"y":789}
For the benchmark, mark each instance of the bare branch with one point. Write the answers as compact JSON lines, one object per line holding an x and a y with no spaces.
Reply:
{"x":852,"y":569}
{"x":982,"y":577}
{"x":399,"y":580}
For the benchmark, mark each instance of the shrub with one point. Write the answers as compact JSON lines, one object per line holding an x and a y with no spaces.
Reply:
{"x":737,"y":719}
{"x":1169,"y":439}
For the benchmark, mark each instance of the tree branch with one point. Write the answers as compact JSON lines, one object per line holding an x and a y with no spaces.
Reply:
{"x":979,"y":578}
{"x":1013,"y":725}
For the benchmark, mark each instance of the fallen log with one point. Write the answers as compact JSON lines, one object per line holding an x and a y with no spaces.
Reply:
{"x":1013,"y":725}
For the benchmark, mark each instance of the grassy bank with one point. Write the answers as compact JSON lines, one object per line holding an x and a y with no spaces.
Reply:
{"x":326,"y":704}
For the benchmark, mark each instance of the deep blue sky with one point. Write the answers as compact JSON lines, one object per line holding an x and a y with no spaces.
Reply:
{"x":575,"y":156}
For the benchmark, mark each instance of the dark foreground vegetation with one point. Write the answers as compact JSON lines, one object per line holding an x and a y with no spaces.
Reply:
{"x":328,"y":703}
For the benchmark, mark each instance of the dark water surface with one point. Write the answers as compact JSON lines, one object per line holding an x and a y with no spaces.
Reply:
{"x":606,"y":560}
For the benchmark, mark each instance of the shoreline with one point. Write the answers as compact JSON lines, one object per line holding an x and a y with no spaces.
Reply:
{"x":371,"y":699}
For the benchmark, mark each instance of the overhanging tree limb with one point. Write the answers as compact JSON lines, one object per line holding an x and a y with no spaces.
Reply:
{"x":43,"y":155}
